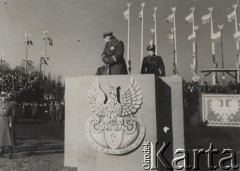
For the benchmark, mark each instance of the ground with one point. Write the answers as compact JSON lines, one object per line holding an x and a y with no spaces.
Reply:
{"x":38,"y":147}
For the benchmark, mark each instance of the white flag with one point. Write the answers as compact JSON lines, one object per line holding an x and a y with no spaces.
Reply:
{"x":206,"y":18}
{"x":231,"y":16}
{"x":237,"y":36}
{"x":151,"y":42}
{"x":216,"y":36}
{"x":192,"y":37}
{"x":141,"y":14}
{"x":170,"y":37}
{"x":189,"y":18}
{"x":126,"y":14}
{"x":170,"y":18}
{"x":154,"y":16}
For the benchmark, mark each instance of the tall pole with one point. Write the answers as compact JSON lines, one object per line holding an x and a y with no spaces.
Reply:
{"x":193,"y":38}
{"x":155,"y":27}
{"x":128,"y":52}
{"x":223,"y":74}
{"x":214,"y":75}
{"x":237,"y":43}
{"x":142,"y":4}
{"x":175,"y":42}
{"x":27,"y":36}
{"x":45,"y":33}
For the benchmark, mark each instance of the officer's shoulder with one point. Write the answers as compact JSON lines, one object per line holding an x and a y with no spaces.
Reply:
{"x":146,"y":58}
{"x":159,"y":57}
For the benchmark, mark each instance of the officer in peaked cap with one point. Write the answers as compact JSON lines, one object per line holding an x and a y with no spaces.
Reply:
{"x":7,"y":113}
{"x":112,"y":55}
{"x":107,"y":34}
{"x":152,"y":64}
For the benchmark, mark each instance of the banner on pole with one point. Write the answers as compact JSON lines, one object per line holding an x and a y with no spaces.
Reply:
{"x":221,"y":110}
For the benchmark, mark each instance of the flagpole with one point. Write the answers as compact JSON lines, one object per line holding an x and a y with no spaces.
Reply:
{"x":45,"y":49}
{"x":194,"y":47}
{"x":142,"y":4}
{"x":152,"y":31}
{"x":237,"y":43}
{"x":223,"y":74}
{"x":155,"y":27}
{"x":128,"y":51}
{"x":174,"y":42}
{"x":214,"y":76}
{"x":27,"y":36}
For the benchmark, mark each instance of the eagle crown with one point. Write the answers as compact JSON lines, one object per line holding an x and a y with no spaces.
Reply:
{"x":113,"y":91}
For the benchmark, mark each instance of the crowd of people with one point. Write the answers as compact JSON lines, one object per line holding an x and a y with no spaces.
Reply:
{"x":49,"y":112}
{"x":27,"y":92}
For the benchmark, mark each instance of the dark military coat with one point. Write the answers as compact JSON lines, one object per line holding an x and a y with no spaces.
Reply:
{"x":153,"y":65}
{"x":114,"y":51}
{"x":7,"y":113}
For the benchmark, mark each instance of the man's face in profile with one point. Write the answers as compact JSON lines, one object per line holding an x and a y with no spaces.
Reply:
{"x":107,"y":39}
{"x":151,"y":53}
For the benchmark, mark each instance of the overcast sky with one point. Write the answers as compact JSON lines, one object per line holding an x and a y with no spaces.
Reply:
{"x":85,"y":20}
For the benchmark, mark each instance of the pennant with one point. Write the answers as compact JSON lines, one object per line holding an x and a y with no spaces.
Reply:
{"x":206,"y":18}
{"x":45,"y":62}
{"x":50,"y":41}
{"x":126,"y":14}
{"x":29,"y":42}
{"x":154,"y":16}
{"x":192,"y":37}
{"x":141,"y":15}
{"x":170,"y":18}
{"x":231,"y":16}
{"x":189,"y":18}
{"x":216,"y":36}
{"x":152,"y":30}
{"x":29,"y":63}
{"x":151,"y":42}
{"x":237,"y":36}
{"x":141,"y":12}
{"x":170,"y":37}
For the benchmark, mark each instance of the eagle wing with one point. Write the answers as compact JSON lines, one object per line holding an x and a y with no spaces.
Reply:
{"x":97,"y":99}
{"x":131,"y":99}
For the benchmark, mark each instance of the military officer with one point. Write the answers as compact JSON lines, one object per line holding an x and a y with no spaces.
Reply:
{"x":7,"y":113}
{"x":112,"y":55}
{"x":152,"y":64}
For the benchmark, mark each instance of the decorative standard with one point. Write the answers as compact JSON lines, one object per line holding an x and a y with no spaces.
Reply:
{"x":214,"y":37}
{"x":173,"y":39}
{"x":236,"y":35}
{"x":193,"y":38}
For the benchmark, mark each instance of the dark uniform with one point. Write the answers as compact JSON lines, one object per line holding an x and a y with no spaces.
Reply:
{"x":112,"y":55}
{"x":7,"y":114}
{"x":153,"y":64}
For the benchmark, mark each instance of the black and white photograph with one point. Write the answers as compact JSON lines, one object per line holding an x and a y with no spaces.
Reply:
{"x":119,"y":85}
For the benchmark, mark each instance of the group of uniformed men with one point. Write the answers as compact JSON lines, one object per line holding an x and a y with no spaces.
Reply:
{"x":114,"y":62}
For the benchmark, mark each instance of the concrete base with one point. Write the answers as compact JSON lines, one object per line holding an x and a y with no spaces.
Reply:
{"x":161,"y":108}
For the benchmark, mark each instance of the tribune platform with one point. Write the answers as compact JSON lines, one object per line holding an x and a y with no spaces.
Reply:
{"x":110,"y":119}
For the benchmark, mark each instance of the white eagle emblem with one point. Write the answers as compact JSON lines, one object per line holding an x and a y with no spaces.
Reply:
{"x":114,"y":128}
{"x":225,"y":110}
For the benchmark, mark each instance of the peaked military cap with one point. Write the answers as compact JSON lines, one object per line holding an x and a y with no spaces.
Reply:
{"x":107,"y":34}
{"x":151,"y":48}
{"x":3,"y":93}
